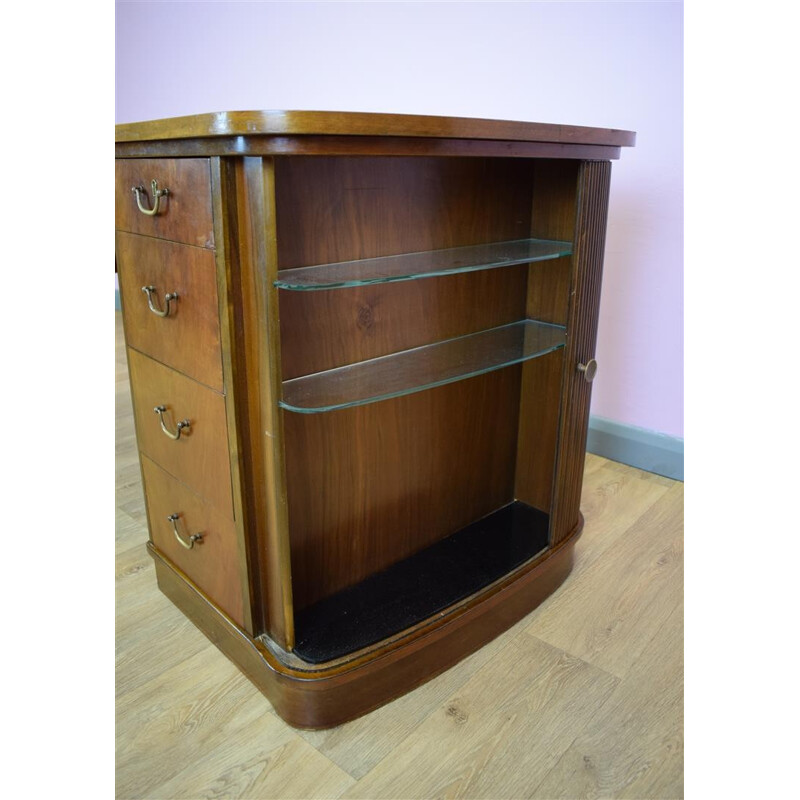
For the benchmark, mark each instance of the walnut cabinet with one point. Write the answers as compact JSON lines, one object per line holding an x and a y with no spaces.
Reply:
{"x":361,"y":349}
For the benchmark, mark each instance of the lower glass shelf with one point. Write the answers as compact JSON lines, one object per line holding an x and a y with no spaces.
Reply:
{"x":420,"y":586}
{"x":421,"y":367}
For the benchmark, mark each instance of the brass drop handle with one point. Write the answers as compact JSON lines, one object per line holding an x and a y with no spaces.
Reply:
{"x":184,"y":424}
{"x":195,"y":537}
{"x":168,"y":298}
{"x":157,"y":195}
{"x":589,"y":370}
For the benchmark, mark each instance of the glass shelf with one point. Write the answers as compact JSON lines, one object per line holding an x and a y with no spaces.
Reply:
{"x":409,"y":266}
{"x":421,"y":367}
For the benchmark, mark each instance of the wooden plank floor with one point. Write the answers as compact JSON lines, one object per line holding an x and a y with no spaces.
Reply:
{"x":582,"y":698}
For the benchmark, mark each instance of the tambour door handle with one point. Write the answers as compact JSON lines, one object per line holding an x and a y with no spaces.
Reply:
{"x":589,"y":370}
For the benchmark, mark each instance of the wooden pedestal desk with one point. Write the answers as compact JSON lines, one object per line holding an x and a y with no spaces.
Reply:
{"x":360,"y":349}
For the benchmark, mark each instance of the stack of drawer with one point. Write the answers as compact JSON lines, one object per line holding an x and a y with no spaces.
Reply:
{"x":168,"y":287}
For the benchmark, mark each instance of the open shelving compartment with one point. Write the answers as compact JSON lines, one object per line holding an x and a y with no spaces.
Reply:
{"x":423,"y":310}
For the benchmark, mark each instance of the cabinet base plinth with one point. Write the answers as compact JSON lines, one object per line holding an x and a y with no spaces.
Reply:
{"x":328,"y":694}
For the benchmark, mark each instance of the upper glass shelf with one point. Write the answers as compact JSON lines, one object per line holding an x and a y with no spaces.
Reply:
{"x":409,"y":266}
{"x":421,"y":367}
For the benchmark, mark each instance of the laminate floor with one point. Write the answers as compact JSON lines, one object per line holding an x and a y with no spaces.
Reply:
{"x":582,"y":698}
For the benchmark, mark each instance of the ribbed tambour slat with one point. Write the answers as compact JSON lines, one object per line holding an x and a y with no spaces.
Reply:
{"x":590,"y":228}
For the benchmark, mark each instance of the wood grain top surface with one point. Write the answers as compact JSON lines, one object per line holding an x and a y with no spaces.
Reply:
{"x":340,"y":123}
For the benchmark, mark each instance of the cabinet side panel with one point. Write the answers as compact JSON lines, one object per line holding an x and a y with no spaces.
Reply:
{"x":230,"y":250}
{"x":590,"y":236}
{"x":547,"y":299}
{"x":540,"y":401}
{"x":258,"y":331}
{"x":553,"y":217}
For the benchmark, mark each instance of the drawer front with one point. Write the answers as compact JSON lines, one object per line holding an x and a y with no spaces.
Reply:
{"x":187,"y":338}
{"x":184,"y":215}
{"x":212,"y":562}
{"x":199,"y":458}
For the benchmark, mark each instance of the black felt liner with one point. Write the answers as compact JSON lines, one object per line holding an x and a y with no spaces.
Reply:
{"x":412,"y":590}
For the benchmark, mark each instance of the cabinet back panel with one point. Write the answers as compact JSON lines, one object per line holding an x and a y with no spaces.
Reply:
{"x":326,"y":329}
{"x":370,"y":485}
{"x":338,"y":209}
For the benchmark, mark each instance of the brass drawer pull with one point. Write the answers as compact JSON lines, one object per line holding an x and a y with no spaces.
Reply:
{"x":168,"y":297}
{"x":195,"y":537}
{"x":157,"y":195}
{"x":184,"y":424}
{"x":589,"y":370}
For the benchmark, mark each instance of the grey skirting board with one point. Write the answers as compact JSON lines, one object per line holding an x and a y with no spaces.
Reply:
{"x":636,"y":447}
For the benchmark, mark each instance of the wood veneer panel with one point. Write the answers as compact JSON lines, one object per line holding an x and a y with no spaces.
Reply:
{"x":548,"y":290}
{"x":256,"y":335}
{"x":338,"y":209}
{"x":371,"y":485}
{"x":227,"y":251}
{"x":555,"y":187}
{"x":590,"y":235}
{"x":247,"y":362}
{"x":188,"y":338}
{"x":184,"y":214}
{"x":200,"y":458}
{"x":213,"y":562}
{"x":540,"y":403}
{"x":553,"y":217}
{"x":325,"y":329}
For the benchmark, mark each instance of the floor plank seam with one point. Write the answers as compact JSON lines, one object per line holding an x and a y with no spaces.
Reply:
{"x":574,"y":656}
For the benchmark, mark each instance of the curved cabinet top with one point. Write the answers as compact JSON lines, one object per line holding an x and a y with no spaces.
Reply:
{"x":231,"y":132}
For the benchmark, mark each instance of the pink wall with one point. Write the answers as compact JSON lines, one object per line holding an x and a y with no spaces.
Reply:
{"x":589,"y":63}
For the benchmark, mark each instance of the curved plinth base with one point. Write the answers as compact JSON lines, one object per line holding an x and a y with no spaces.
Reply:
{"x":325,"y":695}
